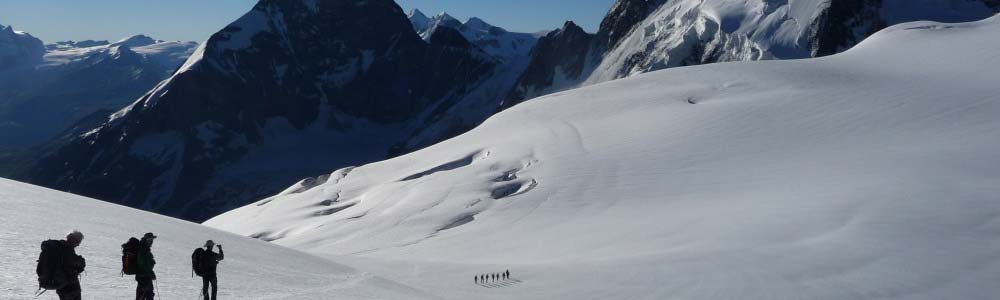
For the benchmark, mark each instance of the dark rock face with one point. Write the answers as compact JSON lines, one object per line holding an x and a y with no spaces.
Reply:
{"x":447,"y":37}
{"x":847,"y":22}
{"x":622,"y":19}
{"x":994,"y":4}
{"x":561,"y":53}
{"x":566,"y":54}
{"x":836,"y":30}
{"x":292,"y":89}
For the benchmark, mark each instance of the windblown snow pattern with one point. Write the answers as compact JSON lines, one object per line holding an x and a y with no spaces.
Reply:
{"x":872,"y":174}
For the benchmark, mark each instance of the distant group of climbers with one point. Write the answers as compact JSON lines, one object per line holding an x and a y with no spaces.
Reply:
{"x":59,"y":267}
{"x":494,"y":277}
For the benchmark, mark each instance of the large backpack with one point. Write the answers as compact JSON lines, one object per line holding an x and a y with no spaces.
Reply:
{"x":198,"y":262}
{"x":51,"y":272}
{"x":130,"y":256}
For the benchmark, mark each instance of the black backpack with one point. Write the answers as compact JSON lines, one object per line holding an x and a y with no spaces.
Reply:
{"x":130,"y":256}
{"x":198,"y":262}
{"x":51,"y":272}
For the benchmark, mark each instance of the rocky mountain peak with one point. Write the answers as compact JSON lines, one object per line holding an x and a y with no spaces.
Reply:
{"x":419,"y":20}
{"x":344,"y":78}
{"x":18,"y":48}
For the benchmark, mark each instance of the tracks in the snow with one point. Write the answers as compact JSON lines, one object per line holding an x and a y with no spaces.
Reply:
{"x":500,"y":284}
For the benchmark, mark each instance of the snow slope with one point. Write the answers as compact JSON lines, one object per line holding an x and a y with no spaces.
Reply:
{"x":870,"y":174}
{"x":251,"y":270}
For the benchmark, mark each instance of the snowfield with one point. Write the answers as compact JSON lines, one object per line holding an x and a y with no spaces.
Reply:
{"x":251,"y":270}
{"x":872,"y":174}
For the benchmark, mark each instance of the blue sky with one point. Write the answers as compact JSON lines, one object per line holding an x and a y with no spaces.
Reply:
{"x":196,"y":20}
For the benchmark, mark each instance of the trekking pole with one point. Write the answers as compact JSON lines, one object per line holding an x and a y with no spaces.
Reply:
{"x":157,"y":287}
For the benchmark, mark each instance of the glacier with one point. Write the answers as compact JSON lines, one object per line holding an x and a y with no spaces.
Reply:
{"x":870,"y":174}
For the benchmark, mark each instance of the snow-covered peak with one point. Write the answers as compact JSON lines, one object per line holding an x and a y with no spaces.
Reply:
{"x":138,"y":40}
{"x":417,"y":14}
{"x":496,"y":41}
{"x":444,"y":16}
{"x":478,"y":24}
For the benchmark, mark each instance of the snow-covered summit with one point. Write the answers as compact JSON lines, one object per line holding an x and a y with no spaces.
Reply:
{"x":509,"y":47}
{"x":478,"y":24}
{"x":136,"y":41}
{"x":869,"y":174}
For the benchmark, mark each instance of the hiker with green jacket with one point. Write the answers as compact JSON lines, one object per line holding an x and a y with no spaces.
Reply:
{"x":144,"y":274}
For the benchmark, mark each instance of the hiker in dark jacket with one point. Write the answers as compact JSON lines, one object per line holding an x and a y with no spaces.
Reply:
{"x":73,"y":265}
{"x":209,"y":276}
{"x":144,"y":274}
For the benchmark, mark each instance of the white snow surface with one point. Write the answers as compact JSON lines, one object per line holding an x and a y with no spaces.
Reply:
{"x":871,"y":174}
{"x":251,"y":270}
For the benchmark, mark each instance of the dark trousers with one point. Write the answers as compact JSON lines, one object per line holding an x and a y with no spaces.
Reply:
{"x":71,"y":291}
{"x":144,"y":291}
{"x":205,"y":281}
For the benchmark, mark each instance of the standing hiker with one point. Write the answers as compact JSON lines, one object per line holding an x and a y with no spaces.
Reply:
{"x":507,"y":273}
{"x":204,"y":262}
{"x":59,"y":266}
{"x":144,"y":274}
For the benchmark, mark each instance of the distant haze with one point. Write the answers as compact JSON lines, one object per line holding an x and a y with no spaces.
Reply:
{"x":196,"y":20}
